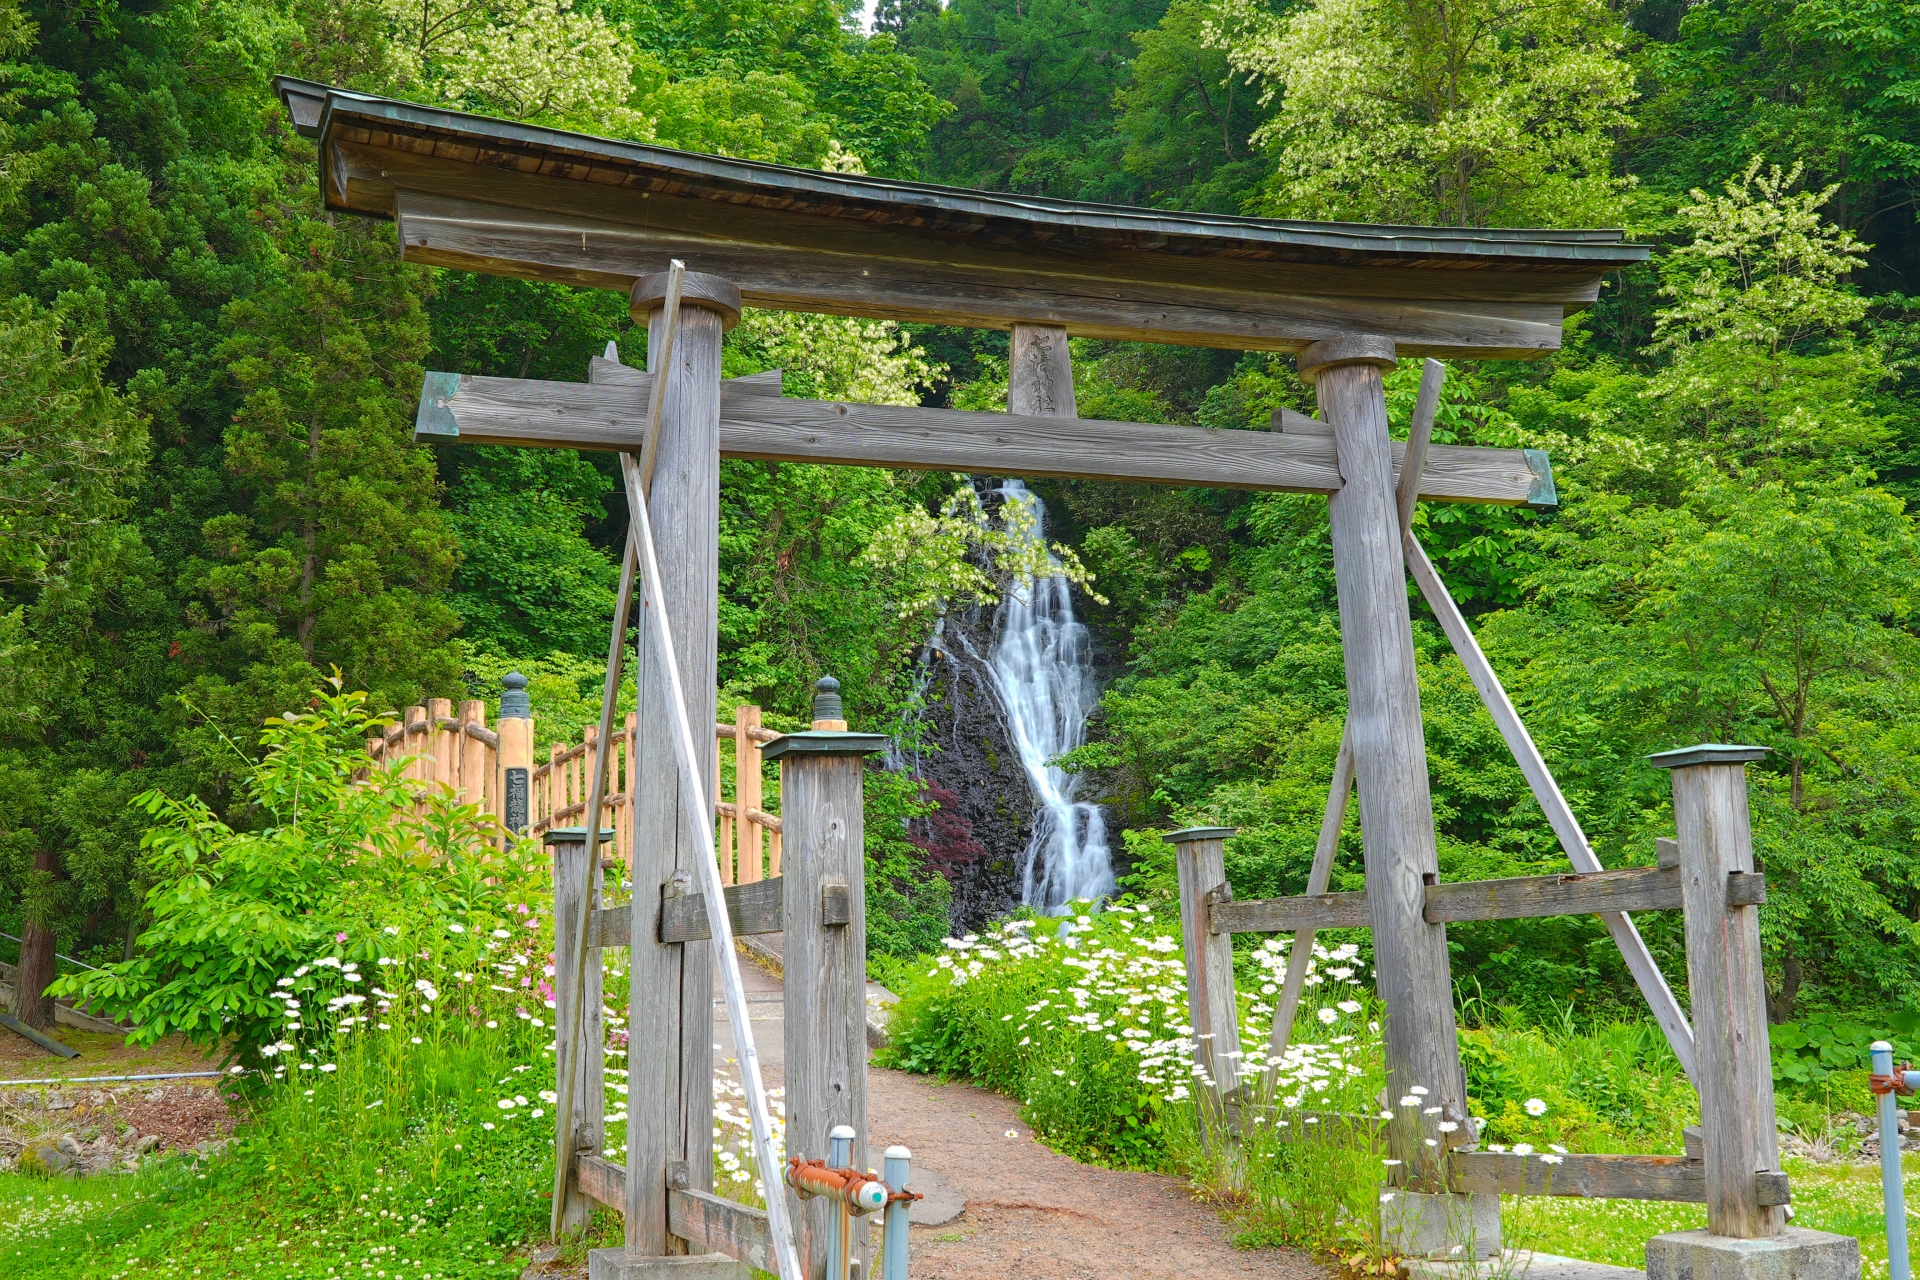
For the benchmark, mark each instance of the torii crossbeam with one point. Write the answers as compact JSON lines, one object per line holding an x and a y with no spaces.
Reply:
{"x":1347,"y":300}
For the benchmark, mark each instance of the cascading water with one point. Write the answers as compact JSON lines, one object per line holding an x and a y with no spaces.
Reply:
{"x":1041,"y":663}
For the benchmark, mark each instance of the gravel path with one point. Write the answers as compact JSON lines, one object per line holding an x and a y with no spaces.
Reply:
{"x":1029,"y":1213}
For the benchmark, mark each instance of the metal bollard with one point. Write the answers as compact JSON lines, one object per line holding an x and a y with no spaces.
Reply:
{"x":893,"y":1256}
{"x":1891,"y":1188}
{"x":840,"y":1226}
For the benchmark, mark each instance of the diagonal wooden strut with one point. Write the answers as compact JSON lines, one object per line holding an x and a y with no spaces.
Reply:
{"x":1573,"y":841}
{"x":1633,"y":948}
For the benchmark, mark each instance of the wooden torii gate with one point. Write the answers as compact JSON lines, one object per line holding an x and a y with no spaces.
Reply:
{"x":1348,"y":300}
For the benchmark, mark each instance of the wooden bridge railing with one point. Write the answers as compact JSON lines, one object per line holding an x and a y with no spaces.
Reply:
{"x":494,"y":769}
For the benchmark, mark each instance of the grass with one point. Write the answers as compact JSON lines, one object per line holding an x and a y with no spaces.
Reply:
{"x":395,"y":1133}
{"x":1843,"y":1199}
{"x":101,"y":1054}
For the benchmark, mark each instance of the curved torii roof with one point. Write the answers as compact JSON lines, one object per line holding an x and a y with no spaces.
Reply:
{"x":543,"y":204}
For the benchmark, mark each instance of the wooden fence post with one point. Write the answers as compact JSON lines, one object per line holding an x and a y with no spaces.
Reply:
{"x":1744,"y":1239}
{"x":515,"y":754}
{"x":1726,"y":986}
{"x":1212,"y":1005}
{"x":472,"y":754}
{"x":1396,"y":807}
{"x":825,"y":952}
{"x":576,"y":876}
{"x":747,"y":791}
{"x":442,"y":745}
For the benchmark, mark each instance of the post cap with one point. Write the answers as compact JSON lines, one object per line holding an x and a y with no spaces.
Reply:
{"x":573,"y":835}
{"x":826,"y":699}
{"x":899,"y":1153}
{"x":1880,"y":1046}
{"x":1192,"y":834}
{"x":823,"y":742}
{"x":841,"y":1131}
{"x":514,"y":702}
{"x":1707,"y":753}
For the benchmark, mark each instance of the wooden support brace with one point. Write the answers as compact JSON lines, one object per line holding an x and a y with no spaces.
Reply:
{"x":1600,"y":1177}
{"x":751,"y":908}
{"x":477,"y":410}
{"x":1519,"y":898}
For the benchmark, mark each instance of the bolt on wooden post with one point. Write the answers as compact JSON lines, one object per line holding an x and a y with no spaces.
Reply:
{"x":576,"y":876}
{"x":1212,"y":1008}
{"x":822,"y":776}
{"x":1726,"y":986}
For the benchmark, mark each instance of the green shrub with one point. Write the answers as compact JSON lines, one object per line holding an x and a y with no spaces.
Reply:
{"x":339,"y":867}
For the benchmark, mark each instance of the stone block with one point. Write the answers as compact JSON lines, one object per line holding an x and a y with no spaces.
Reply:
{"x":1795,"y":1254}
{"x":1517,"y":1264}
{"x":1445,"y":1227}
{"x":614,"y":1264}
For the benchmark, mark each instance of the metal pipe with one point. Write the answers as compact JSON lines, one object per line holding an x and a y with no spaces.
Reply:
{"x":69,"y":959}
{"x":1891,"y":1189}
{"x":893,"y":1256}
{"x":840,"y":1221}
{"x":164,"y":1075}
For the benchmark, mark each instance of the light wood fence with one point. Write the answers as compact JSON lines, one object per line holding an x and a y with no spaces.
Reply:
{"x":437,"y":745}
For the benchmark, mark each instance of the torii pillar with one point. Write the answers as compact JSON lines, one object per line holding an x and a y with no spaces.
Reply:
{"x":670,"y":1043}
{"x":1396,"y":807}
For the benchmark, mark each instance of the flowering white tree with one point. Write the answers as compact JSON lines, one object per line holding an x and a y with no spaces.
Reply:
{"x":1467,"y":113}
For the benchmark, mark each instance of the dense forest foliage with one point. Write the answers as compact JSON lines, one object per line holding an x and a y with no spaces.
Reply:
{"x":209,"y":498}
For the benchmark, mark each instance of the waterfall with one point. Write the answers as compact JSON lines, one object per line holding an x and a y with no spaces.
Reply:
{"x":1042,"y":669}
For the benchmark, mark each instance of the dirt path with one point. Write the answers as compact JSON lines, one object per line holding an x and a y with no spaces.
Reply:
{"x":1028,"y":1212}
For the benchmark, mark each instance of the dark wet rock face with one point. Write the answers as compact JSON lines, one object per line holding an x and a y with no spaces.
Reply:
{"x":973,"y":772}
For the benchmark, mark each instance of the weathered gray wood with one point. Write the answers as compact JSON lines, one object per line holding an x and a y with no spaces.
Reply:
{"x":40,"y":1038}
{"x":1406,"y":483}
{"x":836,"y":904}
{"x":722,"y":1226}
{"x":1519,"y":898}
{"x":754,"y":424}
{"x":1524,"y":897}
{"x":1288,"y":915}
{"x":1666,"y":852}
{"x":602,"y":1181}
{"x":752,"y":908}
{"x":825,"y":967}
{"x":1389,"y":752}
{"x":1040,"y":372}
{"x":1204,"y":306}
{"x":576,"y":881}
{"x":1323,"y":850}
{"x":574,"y":922}
{"x":1728,"y":991}
{"x":611,"y":926}
{"x":1200,"y":858}
{"x":1746,"y":890}
{"x":1573,"y":841}
{"x":1601,"y":1177}
{"x":670,"y":1056}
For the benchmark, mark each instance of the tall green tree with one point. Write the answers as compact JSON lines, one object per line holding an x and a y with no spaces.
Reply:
{"x":1407,"y":111}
